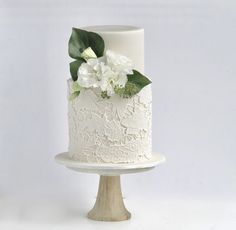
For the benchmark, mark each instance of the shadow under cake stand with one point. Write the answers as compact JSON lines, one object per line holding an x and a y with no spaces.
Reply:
{"x":109,"y":205}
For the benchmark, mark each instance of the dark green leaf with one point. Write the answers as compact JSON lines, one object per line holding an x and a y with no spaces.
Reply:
{"x":78,"y":42}
{"x":96,"y":43}
{"x":136,"y":82}
{"x":81,"y":40}
{"x":138,"y":79}
{"x":74,"y":66}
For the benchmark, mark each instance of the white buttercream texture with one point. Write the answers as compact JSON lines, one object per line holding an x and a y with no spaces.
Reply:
{"x":115,"y":130}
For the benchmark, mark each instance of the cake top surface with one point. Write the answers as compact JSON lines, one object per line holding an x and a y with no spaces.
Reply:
{"x":113,"y":28}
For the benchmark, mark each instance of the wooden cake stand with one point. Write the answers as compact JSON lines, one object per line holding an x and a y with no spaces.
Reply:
{"x":109,"y":205}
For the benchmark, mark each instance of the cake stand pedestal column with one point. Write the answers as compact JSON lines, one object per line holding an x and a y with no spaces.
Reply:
{"x":109,"y":205}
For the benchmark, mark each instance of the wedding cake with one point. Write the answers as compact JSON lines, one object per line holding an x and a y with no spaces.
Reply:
{"x":110,"y":101}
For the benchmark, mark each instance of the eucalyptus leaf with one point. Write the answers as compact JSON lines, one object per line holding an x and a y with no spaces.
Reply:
{"x":74,"y":66}
{"x":81,"y":40}
{"x":135,"y":83}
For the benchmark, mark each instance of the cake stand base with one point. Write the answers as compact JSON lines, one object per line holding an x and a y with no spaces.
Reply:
{"x":109,"y":205}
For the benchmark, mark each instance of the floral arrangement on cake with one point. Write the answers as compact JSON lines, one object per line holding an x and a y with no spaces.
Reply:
{"x":94,"y":67}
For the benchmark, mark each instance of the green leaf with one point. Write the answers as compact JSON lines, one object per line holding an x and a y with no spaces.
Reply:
{"x":135,"y":83}
{"x":81,"y":40}
{"x":78,"y":42}
{"x":74,"y":95}
{"x":74,"y":66}
{"x":97,"y":44}
{"x":75,"y":86}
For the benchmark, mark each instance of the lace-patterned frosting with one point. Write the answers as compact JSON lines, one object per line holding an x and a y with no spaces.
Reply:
{"x":114,"y":130}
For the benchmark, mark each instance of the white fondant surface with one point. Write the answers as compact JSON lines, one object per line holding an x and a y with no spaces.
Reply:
{"x":109,"y":169}
{"x":125,"y":40}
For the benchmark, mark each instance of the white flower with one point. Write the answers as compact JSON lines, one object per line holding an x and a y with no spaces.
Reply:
{"x":119,"y":63}
{"x":105,"y":72}
{"x":88,"y":53}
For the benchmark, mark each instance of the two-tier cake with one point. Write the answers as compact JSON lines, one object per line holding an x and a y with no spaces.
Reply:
{"x":110,"y":101}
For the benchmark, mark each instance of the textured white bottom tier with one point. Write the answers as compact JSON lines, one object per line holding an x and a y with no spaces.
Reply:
{"x":114,"y":130}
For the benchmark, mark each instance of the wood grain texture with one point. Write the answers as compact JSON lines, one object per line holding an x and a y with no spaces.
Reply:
{"x":109,"y":205}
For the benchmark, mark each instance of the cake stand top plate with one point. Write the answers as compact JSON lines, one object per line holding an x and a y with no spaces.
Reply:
{"x":109,"y":169}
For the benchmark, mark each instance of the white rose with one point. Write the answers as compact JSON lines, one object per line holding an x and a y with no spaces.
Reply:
{"x":93,"y":73}
{"x":105,"y":72}
{"x":121,"y":65}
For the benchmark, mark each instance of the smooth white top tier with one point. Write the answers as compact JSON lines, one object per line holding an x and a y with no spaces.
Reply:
{"x":124,"y":40}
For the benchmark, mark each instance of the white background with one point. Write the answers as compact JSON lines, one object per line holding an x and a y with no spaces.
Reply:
{"x":191,"y":59}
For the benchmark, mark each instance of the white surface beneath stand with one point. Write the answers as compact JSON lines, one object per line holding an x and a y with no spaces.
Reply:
{"x":109,"y":169}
